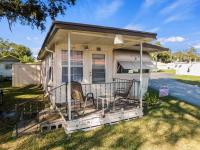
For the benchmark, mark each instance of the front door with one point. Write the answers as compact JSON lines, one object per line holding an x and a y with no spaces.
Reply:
{"x":98,"y":70}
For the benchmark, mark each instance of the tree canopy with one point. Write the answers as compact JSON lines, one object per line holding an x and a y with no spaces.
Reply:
{"x":33,"y":12}
{"x":182,"y":56}
{"x":21,"y":52}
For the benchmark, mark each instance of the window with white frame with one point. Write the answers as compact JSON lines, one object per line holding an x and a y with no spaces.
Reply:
{"x":76,"y":66}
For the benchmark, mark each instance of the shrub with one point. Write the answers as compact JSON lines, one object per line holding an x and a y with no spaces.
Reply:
{"x":151,"y":98}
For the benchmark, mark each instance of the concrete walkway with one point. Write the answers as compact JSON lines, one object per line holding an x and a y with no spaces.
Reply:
{"x":183,"y":91}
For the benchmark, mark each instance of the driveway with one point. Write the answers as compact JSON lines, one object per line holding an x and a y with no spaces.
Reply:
{"x":183,"y":91}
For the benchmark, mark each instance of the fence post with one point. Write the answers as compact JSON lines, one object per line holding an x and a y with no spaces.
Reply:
{"x":16,"y":125}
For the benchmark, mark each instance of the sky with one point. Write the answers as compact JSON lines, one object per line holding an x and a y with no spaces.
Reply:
{"x":177,"y":22}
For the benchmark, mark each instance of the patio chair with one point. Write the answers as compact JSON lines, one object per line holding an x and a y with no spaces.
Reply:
{"x":122,"y":92}
{"x":78,"y":97}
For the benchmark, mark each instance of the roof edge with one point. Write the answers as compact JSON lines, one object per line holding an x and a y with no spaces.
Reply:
{"x":93,"y":28}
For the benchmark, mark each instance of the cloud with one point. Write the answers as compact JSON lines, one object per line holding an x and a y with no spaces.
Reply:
{"x":176,"y":17}
{"x":106,"y":10}
{"x":173,"y":39}
{"x":179,"y":10}
{"x":35,"y":38}
{"x":149,"y":3}
{"x":141,"y":28}
{"x":134,"y":27}
{"x":197,"y":46}
{"x":180,"y":5}
{"x":35,"y":51}
{"x":154,"y":29}
{"x":28,"y":38}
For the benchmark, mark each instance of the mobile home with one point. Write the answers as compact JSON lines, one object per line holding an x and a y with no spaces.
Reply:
{"x":103,"y":60}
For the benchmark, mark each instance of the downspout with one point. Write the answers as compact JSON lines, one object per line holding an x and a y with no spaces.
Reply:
{"x":47,"y":74}
{"x":51,"y":61}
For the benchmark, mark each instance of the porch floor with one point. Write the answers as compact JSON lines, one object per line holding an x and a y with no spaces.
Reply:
{"x":93,"y":117}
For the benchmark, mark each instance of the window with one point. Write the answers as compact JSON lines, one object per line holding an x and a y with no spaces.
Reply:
{"x":50,"y":74}
{"x":130,"y":67}
{"x":76,"y":66}
{"x":98,"y":68}
{"x":8,"y":66}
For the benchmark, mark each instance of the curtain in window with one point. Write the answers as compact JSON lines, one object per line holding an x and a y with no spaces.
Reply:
{"x":76,"y":66}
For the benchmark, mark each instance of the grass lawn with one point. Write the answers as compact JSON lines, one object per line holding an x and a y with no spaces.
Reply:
{"x":171,"y":125}
{"x":168,"y":71}
{"x":194,"y":80}
{"x":13,"y":95}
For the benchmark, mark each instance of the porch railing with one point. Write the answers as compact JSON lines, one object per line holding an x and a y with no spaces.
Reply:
{"x":58,"y":95}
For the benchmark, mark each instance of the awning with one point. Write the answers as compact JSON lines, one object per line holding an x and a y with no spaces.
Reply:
{"x":136,"y":65}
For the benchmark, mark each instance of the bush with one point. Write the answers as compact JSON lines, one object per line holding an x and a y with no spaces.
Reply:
{"x":151,"y":98}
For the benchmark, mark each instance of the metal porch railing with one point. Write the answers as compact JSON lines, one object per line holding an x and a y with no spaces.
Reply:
{"x":58,"y":95}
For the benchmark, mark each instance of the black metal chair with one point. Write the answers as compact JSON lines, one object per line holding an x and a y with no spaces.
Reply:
{"x":78,"y":97}
{"x":122,"y":91}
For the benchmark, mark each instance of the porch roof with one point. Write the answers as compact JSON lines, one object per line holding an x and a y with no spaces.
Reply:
{"x":58,"y":25}
{"x":147,"y":47}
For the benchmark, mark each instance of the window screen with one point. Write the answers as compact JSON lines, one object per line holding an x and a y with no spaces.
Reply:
{"x":76,"y":66}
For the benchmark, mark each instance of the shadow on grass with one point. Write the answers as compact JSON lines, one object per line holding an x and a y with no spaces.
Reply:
{"x":6,"y":129}
{"x":13,"y":95}
{"x":189,"y":82}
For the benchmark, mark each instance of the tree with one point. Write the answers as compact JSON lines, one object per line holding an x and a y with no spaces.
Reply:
{"x":179,"y":56}
{"x":164,"y":57}
{"x":192,"y":54}
{"x":21,"y":52}
{"x":33,"y":12}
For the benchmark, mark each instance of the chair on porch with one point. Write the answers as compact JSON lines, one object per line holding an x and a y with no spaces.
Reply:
{"x":122,"y":91}
{"x":78,"y":98}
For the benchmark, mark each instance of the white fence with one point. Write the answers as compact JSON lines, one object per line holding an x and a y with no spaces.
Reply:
{"x":192,"y":69}
{"x":26,"y":74}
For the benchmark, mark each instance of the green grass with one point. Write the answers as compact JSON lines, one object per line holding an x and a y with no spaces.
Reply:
{"x":13,"y":95}
{"x":168,"y":71}
{"x":194,"y":80}
{"x":171,"y":125}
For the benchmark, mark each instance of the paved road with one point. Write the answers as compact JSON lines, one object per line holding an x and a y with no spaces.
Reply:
{"x":183,"y":91}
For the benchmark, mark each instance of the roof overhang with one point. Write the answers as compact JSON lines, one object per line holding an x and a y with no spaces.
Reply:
{"x":9,"y":58}
{"x":83,"y":30}
{"x":147,"y":47}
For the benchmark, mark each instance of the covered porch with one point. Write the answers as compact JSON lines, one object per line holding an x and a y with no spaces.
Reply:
{"x":100,"y":103}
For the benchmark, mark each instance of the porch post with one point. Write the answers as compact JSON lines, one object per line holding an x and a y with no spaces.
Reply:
{"x":69,"y":77}
{"x":157,"y":61}
{"x":141,"y":78}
